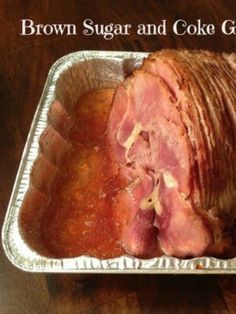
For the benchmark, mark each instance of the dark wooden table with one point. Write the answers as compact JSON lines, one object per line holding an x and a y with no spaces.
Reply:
{"x":24,"y":64}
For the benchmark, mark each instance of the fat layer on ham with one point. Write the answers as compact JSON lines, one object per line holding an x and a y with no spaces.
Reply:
{"x":172,"y":133}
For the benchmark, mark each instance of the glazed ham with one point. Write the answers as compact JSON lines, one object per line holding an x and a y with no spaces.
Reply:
{"x":172,"y":133}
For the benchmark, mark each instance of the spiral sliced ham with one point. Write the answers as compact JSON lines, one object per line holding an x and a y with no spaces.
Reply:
{"x":172,"y":132}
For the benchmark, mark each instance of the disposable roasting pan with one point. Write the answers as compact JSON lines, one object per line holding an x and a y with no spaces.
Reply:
{"x":70,"y":77}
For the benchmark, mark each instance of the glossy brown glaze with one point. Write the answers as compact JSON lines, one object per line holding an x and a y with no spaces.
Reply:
{"x":77,"y":218}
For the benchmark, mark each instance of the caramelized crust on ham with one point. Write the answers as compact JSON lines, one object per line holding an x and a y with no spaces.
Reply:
{"x":172,"y":132}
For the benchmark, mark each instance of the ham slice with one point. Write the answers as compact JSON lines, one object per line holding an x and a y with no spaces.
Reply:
{"x":172,"y":133}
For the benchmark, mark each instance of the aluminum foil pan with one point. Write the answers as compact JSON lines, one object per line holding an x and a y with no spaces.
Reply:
{"x":70,"y":77}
